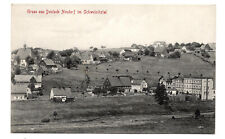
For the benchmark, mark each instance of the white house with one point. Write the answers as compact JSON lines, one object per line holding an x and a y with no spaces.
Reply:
{"x":62,"y":94}
{"x":19,"y":92}
{"x":138,"y":85}
{"x":207,"y":89}
{"x":23,"y":53}
{"x":87,"y":58}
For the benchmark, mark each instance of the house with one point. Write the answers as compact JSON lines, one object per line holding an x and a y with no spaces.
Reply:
{"x":203,"y":87}
{"x":87,"y":58}
{"x":138,"y":85}
{"x":172,"y":91}
{"x":128,"y":55}
{"x":61,"y":94}
{"x":212,"y":46}
{"x":131,"y":49}
{"x":122,"y":83}
{"x":185,"y":50}
{"x":57,"y":59}
{"x":33,"y":67}
{"x":23,"y":53}
{"x":49,"y":64}
{"x":27,"y":79}
{"x":18,"y":92}
{"x":199,"y":86}
{"x":206,"y":47}
{"x":160,"y":51}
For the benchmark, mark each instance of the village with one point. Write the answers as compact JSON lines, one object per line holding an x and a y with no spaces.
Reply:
{"x":31,"y":65}
{"x":61,"y":86}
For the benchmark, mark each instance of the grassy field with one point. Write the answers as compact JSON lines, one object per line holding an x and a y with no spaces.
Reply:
{"x":187,"y":64}
{"x":92,"y":114}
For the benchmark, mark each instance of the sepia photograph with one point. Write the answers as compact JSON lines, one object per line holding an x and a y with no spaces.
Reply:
{"x":113,"y":68}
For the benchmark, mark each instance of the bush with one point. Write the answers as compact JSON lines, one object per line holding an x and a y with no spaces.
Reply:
{"x":175,"y":55}
{"x":205,"y":54}
{"x":45,"y":120}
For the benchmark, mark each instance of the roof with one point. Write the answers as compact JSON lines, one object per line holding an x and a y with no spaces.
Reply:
{"x":197,"y":77}
{"x":26,"y":78}
{"x":118,"y":81}
{"x":212,"y":45}
{"x":48,"y":62}
{"x":76,"y":54}
{"x":18,"y":88}
{"x":86,"y":55}
{"x":62,"y":92}
{"x":160,"y":49}
{"x":23,"y":53}
{"x":128,"y":54}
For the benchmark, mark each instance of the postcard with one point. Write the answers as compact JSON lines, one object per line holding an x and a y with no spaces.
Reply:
{"x":113,"y":69}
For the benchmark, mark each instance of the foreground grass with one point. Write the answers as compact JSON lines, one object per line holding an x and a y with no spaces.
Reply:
{"x":35,"y":111}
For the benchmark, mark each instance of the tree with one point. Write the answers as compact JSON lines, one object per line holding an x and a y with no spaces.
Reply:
{"x":51,"y":55}
{"x":170,"y":48}
{"x":107,"y":69}
{"x":134,"y":45}
{"x":161,"y":95}
{"x":17,"y":58}
{"x":66,"y":52}
{"x":146,"y":52}
{"x":205,"y":54}
{"x":113,"y":90}
{"x":75,"y":60}
{"x":115,"y":54}
{"x":168,"y":73}
{"x":137,"y":71}
{"x":158,"y":72}
{"x":95,"y":49}
{"x":55,"y":114}
{"x":175,"y":54}
{"x":117,"y":70}
{"x":68,"y":62}
{"x":13,"y":78}
{"x":17,"y":71}
{"x":176,"y":45}
{"x":147,"y":71}
{"x":29,"y":60}
{"x":103,"y":47}
{"x":196,"y":44}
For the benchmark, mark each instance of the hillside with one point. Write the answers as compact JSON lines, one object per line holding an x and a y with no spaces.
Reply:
{"x":187,"y":64}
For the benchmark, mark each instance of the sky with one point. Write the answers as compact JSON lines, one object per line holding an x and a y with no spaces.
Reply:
{"x":122,"y":26}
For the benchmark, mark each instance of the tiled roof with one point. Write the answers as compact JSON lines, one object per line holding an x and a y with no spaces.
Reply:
{"x":86,"y":55}
{"x":18,"y":88}
{"x":48,"y":62}
{"x":26,"y":78}
{"x":62,"y":92}
{"x":160,"y":49}
{"x":128,"y":54}
{"x":23,"y":53}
